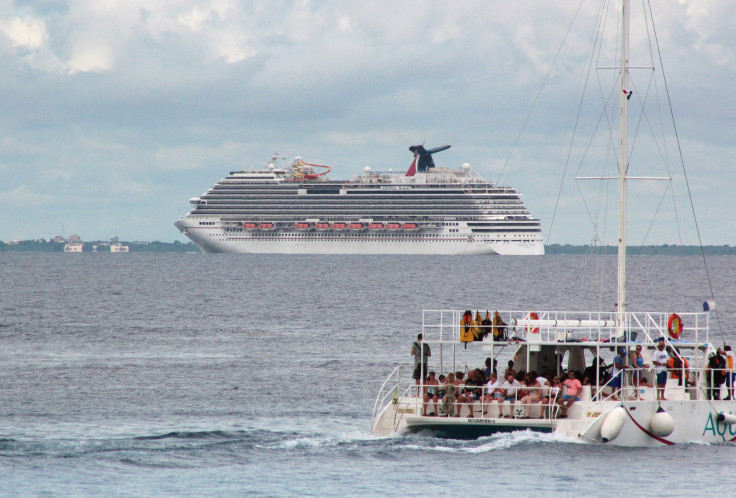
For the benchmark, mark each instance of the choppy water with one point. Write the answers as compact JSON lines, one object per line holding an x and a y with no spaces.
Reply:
{"x":167,"y":374}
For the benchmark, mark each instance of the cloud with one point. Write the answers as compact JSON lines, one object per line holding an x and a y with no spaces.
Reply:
{"x":142,"y":105}
{"x":27,"y":33}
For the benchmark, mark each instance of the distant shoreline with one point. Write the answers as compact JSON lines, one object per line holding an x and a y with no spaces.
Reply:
{"x":183,"y":247}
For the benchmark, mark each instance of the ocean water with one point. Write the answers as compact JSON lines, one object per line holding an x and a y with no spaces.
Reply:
{"x":191,"y":374}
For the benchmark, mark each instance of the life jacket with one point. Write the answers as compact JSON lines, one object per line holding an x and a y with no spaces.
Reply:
{"x":486,"y":326}
{"x":477,"y":327}
{"x":499,"y":328}
{"x":466,"y":327}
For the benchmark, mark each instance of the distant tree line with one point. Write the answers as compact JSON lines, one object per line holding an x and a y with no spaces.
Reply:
{"x":643,"y":250}
{"x":102,"y":246}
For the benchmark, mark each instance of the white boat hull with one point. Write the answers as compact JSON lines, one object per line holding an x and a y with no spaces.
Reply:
{"x":694,"y":421}
{"x":213,"y":239}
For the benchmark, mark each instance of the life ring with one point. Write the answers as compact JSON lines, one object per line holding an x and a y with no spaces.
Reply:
{"x":532,"y":316}
{"x":674,"y":326}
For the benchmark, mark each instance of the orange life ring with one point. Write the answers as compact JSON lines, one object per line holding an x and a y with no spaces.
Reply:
{"x":533,"y":316}
{"x":674,"y":326}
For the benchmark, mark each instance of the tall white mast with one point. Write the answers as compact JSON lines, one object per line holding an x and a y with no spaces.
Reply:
{"x":623,"y":164}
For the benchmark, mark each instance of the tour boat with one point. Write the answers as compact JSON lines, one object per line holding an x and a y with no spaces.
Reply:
{"x":690,"y":404}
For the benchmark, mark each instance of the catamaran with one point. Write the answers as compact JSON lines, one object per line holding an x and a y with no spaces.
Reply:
{"x":623,"y":406}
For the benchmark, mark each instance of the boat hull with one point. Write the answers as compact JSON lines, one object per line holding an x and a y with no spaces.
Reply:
{"x":471,"y":428}
{"x":694,"y":421}
{"x":214,"y":239}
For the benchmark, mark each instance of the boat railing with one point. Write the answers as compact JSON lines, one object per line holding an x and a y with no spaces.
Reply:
{"x":444,"y":326}
{"x":390,"y":389}
{"x":415,"y":400}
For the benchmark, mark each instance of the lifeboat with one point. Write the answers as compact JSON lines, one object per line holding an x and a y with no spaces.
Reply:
{"x":266,"y":226}
{"x":339,"y":226}
{"x":322,"y":226}
{"x":301,"y":226}
{"x":393,"y":226}
{"x":375,"y":226}
{"x":250,"y":226}
{"x":356,"y":226}
{"x":409,"y":226}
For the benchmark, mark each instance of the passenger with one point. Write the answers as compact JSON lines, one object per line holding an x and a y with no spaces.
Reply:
{"x":680,"y":368}
{"x":510,"y":388}
{"x":509,"y":370}
{"x":420,"y":352}
{"x":449,"y":395}
{"x":520,"y":376}
{"x":533,"y":394}
{"x":541,"y":379}
{"x":637,"y":366}
{"x":659,"y":360}
{"x":619,"y":365}
{"x":716,"y":374}
{"x":574,"y":387}
{"x":597,"y":372}
{"x":730,"y":374}
{"x":494,"y":392}
{"x":471,"y":393}
{"x":441,"y":388}
{"x":491,"y":367}
{"x":459,"y":379}
{"x":430,"y":393}
{"x":553,"y":392}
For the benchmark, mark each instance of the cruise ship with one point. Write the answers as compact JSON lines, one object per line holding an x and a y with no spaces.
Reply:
{"x":298,"y":210}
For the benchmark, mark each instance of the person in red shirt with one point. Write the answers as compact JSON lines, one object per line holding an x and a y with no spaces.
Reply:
{"x":574,"y":387}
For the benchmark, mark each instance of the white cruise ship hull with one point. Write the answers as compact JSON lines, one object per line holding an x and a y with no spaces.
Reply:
{"x":214,"y":239}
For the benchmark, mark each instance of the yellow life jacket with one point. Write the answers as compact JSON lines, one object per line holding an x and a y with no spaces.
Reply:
{"x":467,"y":333}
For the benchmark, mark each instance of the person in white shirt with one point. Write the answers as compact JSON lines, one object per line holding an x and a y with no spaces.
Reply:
{"x":510,"y":388}
{"x":659,"y":360}
{"x":493,"y":392}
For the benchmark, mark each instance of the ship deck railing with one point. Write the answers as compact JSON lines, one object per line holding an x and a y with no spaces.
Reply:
{"x":444,"y":327}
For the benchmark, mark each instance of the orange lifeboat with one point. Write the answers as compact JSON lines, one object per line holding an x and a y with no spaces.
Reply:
{"x":266,"y":226}
{"x":393,"y":226}
{"x":356,"y":226}
{"x":339,"y":226}
{"x":301,"y":226}
{"x":250,"y":226}
{"x":375,"y":226}
{"x":322,"y":226}
{"x":409,"y":226}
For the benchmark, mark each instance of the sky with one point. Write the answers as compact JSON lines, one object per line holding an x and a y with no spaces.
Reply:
{"x":116,"y":113}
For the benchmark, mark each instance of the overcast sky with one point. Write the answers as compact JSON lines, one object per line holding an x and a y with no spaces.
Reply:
{"x":115,"y":113}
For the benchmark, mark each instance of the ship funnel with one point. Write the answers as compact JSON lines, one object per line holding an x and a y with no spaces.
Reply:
{"x":423,"y":158}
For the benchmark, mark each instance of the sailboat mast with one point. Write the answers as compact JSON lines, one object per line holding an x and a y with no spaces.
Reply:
{"x":623,"y":164}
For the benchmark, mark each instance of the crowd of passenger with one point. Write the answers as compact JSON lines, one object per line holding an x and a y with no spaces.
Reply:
{"x":446,"y":395}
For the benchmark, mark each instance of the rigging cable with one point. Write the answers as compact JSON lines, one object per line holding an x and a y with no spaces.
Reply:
{"x":684,"y":172}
